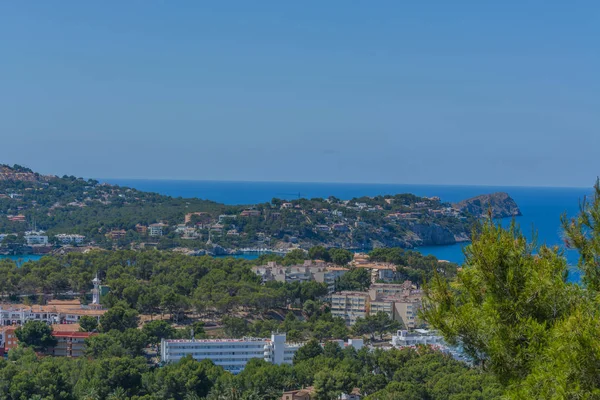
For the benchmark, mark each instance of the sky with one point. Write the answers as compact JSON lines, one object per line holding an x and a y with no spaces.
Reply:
{"x":431,"y":92}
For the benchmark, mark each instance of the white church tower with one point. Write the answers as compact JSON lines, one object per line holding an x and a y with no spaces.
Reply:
{"x":96,"y":291}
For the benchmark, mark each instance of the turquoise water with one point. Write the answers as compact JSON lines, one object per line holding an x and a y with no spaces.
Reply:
{"x":23,"y":258}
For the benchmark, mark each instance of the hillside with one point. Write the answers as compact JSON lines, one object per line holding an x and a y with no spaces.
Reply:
{"x":112,"y":216}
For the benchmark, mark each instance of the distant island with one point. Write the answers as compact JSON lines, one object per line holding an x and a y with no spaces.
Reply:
{"x":41,"y":213}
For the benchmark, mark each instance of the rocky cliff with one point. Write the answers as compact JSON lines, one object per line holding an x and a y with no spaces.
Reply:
{"x":502,"y":205}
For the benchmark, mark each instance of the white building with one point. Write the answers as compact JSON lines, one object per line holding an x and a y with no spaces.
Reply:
{"x":309,"y":271}
{"x":36,"y":238}
{"x":64,"y":238}
{"x":405,"y":338}
{"x":156,"y":229}
{"x":234,"y":354}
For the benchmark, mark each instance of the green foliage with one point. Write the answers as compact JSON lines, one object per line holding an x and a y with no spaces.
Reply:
{"x":413,"y":265}
{"x":234,"y":327}
{"x":355,"y":279}
{"x":380,"y":324}
{"x":310,"y":350}
{"x":421,"y":373}
{"x":70,"y":204}
{"x":36,"y":334}
{"x":515,"y":313}
{"x":119,"y":318}
{"x":340,"y":256}
{"x":157,"y":330}
{"x":88,"y":324}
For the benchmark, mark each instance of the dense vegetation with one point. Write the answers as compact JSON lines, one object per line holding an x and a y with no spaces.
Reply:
{"x":155,"y":282}
{"x":382,"y":375}
{"x":74,"y":205}
{"x":516,"y":314}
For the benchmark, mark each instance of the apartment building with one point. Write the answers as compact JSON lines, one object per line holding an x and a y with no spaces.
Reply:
{"x":234,"y":354}
{"x":64,"y":238}
{"x":399,"y":302}
{"x":309,"y":271}
{"x":69,"y":344}
{"x":350,"y":305}
{"x":36,"y":238}
{"x":156,"y":230}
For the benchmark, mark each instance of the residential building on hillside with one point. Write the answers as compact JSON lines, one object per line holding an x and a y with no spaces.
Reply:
{"x":309,"y":271}
{"x":141,"y":229}
{"x":116,"y":234}
{"x":350,"y":305}
{"x":36,"y":238}
{"x":156,"y":230}
{"x":234,"y":354}
{"x":400,"y":302}
{"x":250,"y":213}
{"x":69,"y":344}
{"x":8,"y":339}
{"x":65,"y":238}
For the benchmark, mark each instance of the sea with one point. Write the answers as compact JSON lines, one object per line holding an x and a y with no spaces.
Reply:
{"x":541,"y":207}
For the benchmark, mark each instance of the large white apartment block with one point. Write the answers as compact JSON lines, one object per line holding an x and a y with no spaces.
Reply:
{"x":36,"y":238}
{"x":65,"y":238}
{"x":234,"y":354}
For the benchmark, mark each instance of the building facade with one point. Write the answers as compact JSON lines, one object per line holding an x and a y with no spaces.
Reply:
{"x":234,"y":354}
{"x":350,"y":305}
{"x":399,"y":302}
{"x":36,"y":238}
{"x":309,"y":271}
{"x":69,"y":344}
{"x":64,"y":238}
{"x":156,"y":230}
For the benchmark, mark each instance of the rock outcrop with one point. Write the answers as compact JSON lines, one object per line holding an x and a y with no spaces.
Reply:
{"x":502,"y":205}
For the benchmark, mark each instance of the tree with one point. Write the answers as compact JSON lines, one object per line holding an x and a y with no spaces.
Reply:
{"x":310,"y":350}
{"x":119,"y":318}
{"x":385,"y":324}
{"x":514,"y":312}
{"x":319,"y":253}
{"x":88,"y":324}
{"x":355,"y":279}
{"x":340,"y":256}
{"x":234,"y":327}
{"x":36,"y":334}
{"x":157,"y":330}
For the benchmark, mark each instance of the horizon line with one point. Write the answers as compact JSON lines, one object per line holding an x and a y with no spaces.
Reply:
{"x":345,"y":183}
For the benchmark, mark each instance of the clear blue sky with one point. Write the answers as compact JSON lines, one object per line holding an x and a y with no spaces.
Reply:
{"x":448,"y":92}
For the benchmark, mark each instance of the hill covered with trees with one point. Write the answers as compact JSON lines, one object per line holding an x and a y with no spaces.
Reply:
{"x":112,"y":216}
